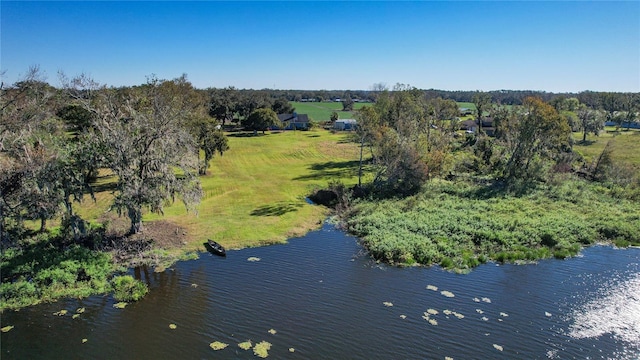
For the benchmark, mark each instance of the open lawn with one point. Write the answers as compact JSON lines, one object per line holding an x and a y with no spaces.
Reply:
{"x":321,"y":111}
{"x":255,"y":193}
{"x":625,"y":145}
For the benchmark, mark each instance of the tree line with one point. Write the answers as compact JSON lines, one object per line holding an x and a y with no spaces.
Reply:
{"x":412,"y":137}
{"x":55,"y":142}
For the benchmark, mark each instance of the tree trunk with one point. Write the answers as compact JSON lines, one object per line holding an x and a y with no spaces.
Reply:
{"x":135,"y":215}
{"x":584,"y":136}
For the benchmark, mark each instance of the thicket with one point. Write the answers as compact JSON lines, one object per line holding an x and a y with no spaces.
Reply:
{"x":461,"y":224}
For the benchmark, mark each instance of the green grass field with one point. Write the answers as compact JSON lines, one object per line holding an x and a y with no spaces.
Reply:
{"x":321,"y":111}
{"x":625,"y":145}
{"x":255,"y":193}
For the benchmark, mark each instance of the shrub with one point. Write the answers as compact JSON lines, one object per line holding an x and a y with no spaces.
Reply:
{"x":126,"y":288}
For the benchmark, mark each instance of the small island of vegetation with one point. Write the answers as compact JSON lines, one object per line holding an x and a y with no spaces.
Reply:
{"x":96,"y":180}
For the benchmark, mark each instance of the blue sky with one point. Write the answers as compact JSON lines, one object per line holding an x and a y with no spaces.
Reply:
{"x":483,"y":45}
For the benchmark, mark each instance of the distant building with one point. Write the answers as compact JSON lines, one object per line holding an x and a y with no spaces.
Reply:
{"x":345,"y":124}
{"x":294,"y":121}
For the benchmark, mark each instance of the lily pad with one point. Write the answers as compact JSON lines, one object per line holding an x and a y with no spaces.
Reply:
{"x":446,"y":293}
{"x":173,"y":326}
{"x":217,"y":345}
{"x":458,"y":315}
{"x":120,"y":305}
{"x":245,"y":345}
{"x":498,"y":347}
{"x":6,"y":328}
{"x":261,"y":349}
{"x":272,"y":331}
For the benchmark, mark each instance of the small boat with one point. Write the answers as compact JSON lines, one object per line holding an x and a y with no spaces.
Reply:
{"x":216,"y":248}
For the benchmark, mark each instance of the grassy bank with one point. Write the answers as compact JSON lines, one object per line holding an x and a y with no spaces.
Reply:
{"x":460,"y":225}
{"x":255,"y":193}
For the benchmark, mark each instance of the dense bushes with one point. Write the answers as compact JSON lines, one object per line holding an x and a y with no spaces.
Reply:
{"x":461,"y":225}
{"x":43,"y":270}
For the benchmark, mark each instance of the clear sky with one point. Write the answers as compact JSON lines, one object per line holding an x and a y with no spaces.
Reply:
{"x":483,"y":45}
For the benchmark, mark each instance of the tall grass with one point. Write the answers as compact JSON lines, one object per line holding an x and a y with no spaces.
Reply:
{"x":460,"y":225}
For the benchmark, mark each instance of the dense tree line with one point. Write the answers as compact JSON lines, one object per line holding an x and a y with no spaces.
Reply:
{"x":412,"y":137}
{"x":54,"y":141}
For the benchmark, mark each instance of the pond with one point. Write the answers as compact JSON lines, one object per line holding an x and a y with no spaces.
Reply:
{"x":322,"y":297}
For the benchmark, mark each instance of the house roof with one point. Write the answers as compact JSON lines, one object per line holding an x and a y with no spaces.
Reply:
{"x":297,"y":118}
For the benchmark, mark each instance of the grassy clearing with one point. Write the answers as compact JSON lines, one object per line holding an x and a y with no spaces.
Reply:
{"x":255,"y":193}
{"x":321,"y":111}
{"x":625,"y":145}
{"x":461,"y":225}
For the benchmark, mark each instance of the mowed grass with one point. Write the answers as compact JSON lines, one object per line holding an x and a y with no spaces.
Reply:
{"x":625,"y":146}
{"x":321,"y":111}
{"x":255,"y":193}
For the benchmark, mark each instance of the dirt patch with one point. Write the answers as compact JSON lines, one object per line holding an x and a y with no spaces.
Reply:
{"x":163,"y":234}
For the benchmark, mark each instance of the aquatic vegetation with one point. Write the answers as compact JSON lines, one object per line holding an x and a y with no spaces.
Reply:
{"x":173,"y":326}
{"x":447,"y":293}
{"x":433,"y":227}
{"x":431,"y":287}
{"x":261,"y":349}
{"x":126,"y":288}
{"x":6,"y":328}
{"x":497,"y":347}
{"x":120,"y":305}
{"x":458,"y":315}
{"x":246,"y":345}
{"x":60,"y":313}
{"x":253,"y":259}
{"x":217,"y":345}
{"x":80,"y":310}
{"x":272,"y":331}
{"x":487,"y":300}
{"x":433,"y":322}
{"x":432,"y":311}
{"x":387,"y":304}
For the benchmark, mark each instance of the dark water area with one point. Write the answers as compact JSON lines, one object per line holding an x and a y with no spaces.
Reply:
{"x":325,"y":299}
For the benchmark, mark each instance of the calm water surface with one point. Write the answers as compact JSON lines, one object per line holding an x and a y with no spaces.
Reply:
{"x":325,"y":299}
